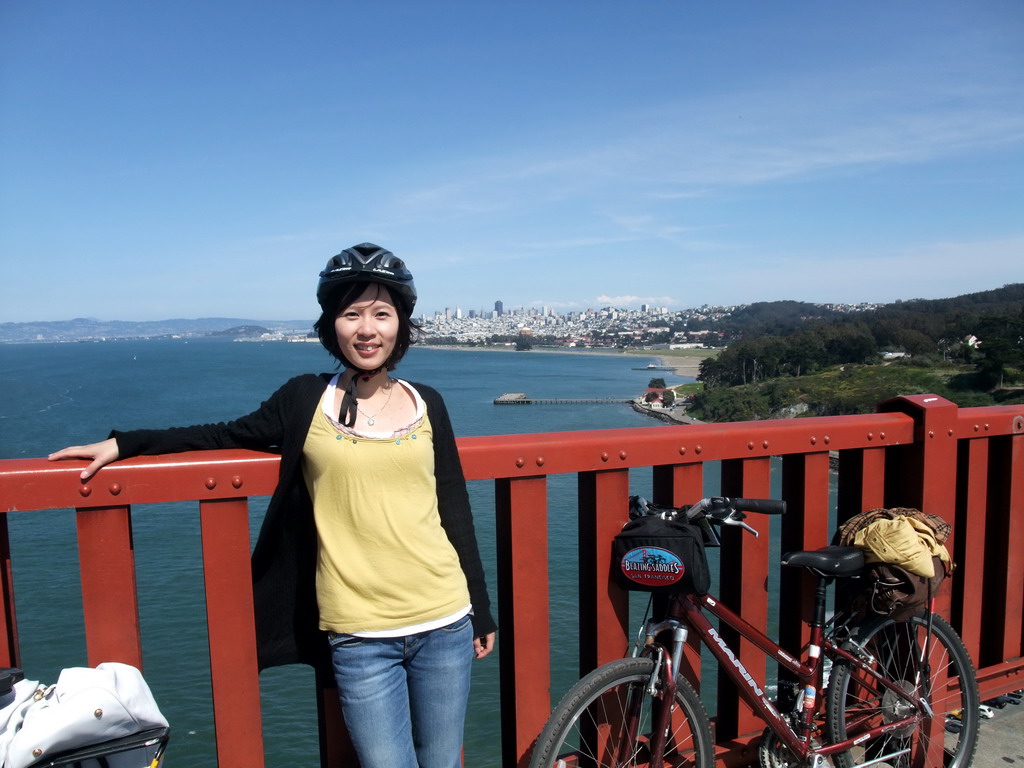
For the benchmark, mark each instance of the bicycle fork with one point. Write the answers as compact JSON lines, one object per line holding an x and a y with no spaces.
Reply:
{"x":660,"y":689}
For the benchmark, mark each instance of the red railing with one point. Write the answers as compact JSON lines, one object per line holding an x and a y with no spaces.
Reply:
{"x":966,"y":465}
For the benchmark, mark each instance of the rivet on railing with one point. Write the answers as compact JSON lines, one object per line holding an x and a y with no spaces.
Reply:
{"x":987,"y":427}
{"x":949,"y":432}
{"x":699,"y":449}
{"x":764,"y":444}
{"x":85,"y":490}
{"x":622,"y":455}
{"x":605,"y":456}
{"x":682,"y":450}
{"x":977,"y":427}
{"x":236,"y":481}
{"x":520,"y":462}
{"x":827,"y":439}
{"x":1018,"y":424}
{"x":540,"y":461}
{"x":211,"y":483}
{"x":931,"y":433}
{"x":115,"y":489}
{"x":881,"y":435}
{"x":871,"y":436}
{"x":814,"y":440}
{"x":750,"y":445}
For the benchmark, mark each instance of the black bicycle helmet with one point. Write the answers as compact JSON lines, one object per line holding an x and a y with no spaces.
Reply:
{"x":370,"y":263}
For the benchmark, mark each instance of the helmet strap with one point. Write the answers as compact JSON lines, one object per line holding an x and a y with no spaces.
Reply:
{"x":349,"y":405}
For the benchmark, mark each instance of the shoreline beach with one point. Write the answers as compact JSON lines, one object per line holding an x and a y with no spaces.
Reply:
{"x":682,"y":365}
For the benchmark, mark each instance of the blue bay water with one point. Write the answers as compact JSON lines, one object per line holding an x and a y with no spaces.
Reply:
{"x":52,"y":395}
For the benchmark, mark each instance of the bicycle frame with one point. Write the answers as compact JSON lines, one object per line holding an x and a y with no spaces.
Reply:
{"x":686,"y":611}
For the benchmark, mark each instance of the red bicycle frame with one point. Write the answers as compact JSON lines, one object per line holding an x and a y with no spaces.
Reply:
{"x":687,"y":611}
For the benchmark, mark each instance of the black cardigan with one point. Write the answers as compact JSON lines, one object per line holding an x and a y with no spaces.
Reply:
{"x":284,"y":559}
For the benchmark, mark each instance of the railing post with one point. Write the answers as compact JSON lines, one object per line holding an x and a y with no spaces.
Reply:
{"x":926,"y":478}
{"x":232,"y":629}
{"x":744,"y":588}
{"x":604,"y":606}
{"x":805,"y":486}
{"x":925,"y":473}
{"x":969,"y":550}
{"x":10,"y":653}
{"x":525,"y":669}
{"x":676,"y":485}
{"x":109,"y":597}
{"x":1003,"y":613}
{"x":861,"y":481}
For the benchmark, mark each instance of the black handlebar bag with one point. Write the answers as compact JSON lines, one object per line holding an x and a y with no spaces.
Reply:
{"x":650,"y":554}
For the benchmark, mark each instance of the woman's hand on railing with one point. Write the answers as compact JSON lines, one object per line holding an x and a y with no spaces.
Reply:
{"x":101,"y":454}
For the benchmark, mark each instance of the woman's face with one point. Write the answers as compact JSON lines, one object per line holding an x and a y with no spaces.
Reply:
{"x":367,"y":328}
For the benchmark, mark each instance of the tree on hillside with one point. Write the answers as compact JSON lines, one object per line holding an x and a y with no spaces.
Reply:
{"x":1001,"y":351}
{"x":819,"y":345}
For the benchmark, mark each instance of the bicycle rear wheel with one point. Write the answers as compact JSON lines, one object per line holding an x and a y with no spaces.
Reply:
{"x":605,"y":720}
{"x":944,"y":678}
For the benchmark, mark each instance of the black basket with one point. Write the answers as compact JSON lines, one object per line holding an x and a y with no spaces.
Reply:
{"x":651,"y":554}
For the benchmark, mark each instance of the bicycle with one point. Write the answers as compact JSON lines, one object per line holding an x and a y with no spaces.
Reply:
{"x":897,"y":694}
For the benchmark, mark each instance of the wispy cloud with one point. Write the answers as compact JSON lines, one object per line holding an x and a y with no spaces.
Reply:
{"x":693,"y":150}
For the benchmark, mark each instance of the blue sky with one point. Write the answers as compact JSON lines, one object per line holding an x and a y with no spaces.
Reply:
{"x":195,"y":159}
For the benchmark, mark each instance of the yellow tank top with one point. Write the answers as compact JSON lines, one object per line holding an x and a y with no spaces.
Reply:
{"x":384,"y":562}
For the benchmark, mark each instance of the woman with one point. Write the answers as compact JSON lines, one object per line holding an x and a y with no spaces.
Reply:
{"x":367,"y":563}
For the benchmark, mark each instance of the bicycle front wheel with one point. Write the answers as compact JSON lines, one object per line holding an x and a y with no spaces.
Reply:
{"x":943,"y":677}
{"x":605,"y":721}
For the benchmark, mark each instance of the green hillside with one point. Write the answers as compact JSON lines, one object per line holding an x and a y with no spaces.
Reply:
{"x":969,"y":349}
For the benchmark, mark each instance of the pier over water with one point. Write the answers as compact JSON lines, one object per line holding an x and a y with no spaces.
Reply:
{"x":520,"y":398}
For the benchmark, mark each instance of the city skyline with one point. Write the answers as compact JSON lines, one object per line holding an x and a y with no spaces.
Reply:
{"x":474,"y":325}
{"x":201,"y":160}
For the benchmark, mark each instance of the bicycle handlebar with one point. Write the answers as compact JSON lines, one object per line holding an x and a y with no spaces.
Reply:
{"x":717,"y":510}
{"x":722,"y":509}
{"x":761,"y":506}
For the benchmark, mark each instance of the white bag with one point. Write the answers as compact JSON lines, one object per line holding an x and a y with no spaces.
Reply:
{"x":86,"y":706}
{"x":13,"y":706}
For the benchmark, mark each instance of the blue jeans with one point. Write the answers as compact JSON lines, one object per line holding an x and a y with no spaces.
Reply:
{"x":404,"y":698}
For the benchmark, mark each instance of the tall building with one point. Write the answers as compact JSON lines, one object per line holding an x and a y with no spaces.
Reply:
{"x":499,"y":308}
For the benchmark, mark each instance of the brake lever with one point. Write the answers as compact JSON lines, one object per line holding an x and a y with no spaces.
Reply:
{"x":733,"y":520}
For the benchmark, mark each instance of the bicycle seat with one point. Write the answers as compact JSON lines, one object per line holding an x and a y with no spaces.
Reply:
{"x":828,"y":561}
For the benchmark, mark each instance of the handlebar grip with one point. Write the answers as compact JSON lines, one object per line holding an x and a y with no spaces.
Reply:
{"x":761,"y":506}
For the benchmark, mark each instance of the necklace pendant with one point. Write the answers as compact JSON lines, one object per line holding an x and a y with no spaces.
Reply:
{"x":369,"y":422}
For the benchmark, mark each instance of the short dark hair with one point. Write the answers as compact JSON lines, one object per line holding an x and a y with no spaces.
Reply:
{"x":346,"y":295}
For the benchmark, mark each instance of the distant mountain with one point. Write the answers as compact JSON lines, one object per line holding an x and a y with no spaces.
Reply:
{"x":90,"y":329}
